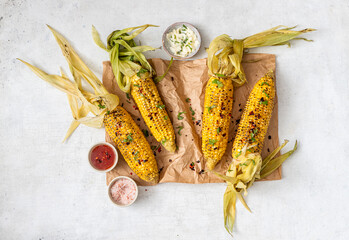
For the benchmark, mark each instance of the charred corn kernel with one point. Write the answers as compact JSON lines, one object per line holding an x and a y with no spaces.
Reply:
{"x":256,"y":116}
{"x":153,"y":111}
{"x":216,"y":119}
{"x":132,"y":144}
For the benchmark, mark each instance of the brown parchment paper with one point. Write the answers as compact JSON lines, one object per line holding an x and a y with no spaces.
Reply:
{"x":187,"y":79}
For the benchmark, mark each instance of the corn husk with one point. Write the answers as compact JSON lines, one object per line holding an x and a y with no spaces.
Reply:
{"x":126,"y":57}
{"x":82,"y":103}
{"x":225,"y":54}
{"x":242,"y":173}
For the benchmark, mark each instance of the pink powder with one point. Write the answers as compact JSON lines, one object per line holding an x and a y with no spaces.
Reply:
{"x":123,"y":191}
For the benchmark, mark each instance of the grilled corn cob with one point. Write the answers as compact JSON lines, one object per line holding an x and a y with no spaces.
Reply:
{"x":247,"y":162}
{"x":216,"y":121}
{"x":224,"y":61}
{"x":119,"y":124}
{"x":132,"y":144}
{"x":133,"y":73}
{"x":149,"y":102}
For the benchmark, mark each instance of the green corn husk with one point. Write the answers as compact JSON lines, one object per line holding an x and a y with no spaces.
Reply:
{"x":126,"y":57}
{"x":81,"y":102}
{"x":225,"y":54}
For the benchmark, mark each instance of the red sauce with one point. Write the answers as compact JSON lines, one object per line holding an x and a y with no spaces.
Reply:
{"x":102,"y":157}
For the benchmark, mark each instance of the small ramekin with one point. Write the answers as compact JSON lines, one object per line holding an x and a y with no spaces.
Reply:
{"x":111,"y":184}
{"x":114,"y":150}
{"x":165,"y":41}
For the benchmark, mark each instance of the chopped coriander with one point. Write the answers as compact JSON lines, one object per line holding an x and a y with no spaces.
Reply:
{"x":136,"y":155}
{"x":193,"y":118}
{"x":187,"y":99}
{"x":145,"y":132}
{"x":160,"y":106}
{"x":142,"y":95}
{"x":179,"y":117}
{"x":266,"y":94}
{"x":220,"y":75}
{"x":237,"y":155}
{"x":210,"y":108}
{"x":264,"y":102}
{"x":136,"y":85}
{"x":128,"y":138}
{"x":219,"y":130}
{"x":185,"y":27}
{"x":108,"y":112}
{"x":165,"y":117}
{"x":142,"y":70}
{"x":153,"y":147}
{"x":163,"y":140}
{"x":265,"y":83}
{"x":212,"y":141}
{"x":219,"y":83}
{"x":128,"y":96}
{"x":132,"y":58}
{"x":180,"y":129}
{"x":101,"y":106}
{"x":192,"y":111}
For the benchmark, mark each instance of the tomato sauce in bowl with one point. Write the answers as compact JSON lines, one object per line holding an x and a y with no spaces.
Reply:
{"x":103,"y":157}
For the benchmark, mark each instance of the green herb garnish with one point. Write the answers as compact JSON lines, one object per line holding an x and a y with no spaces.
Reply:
{"x":165,"y":117}
{"x":192,"y":111}
{"x":187,"y":99}
{"x":220,"y":75}
{"x":179,"y":117}
{"x":180,"y":129}
{"x":141,"y":71}
{"x":136,"y":85}
{"x":212,"y":141}
{"x":266,"y":94}
{"x":128,"y":138}
{"x":237,"y":155}
{"x":265,"y":83}
{"x":136,"y":155}
{"x":153,"y":147}
{"x":160,"y":106}
{"x":163,"y":140}
{"x":101,"y":106}
{"x":145,"y":132}
{"x":264,"y":102}
{"x":219,"y":130}
{"x":210,"y":108}
{"x":219,"y":83}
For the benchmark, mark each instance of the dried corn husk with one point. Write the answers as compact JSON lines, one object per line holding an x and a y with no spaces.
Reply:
{"x":225,"y":53}
{"x":82,"y":103}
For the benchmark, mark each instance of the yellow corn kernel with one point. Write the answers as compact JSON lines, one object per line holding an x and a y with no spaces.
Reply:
{"x":216,"y":119}
{"x":153,"y":111}
{"x":132,"y":144}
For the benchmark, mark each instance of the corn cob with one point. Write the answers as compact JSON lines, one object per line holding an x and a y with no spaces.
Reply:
{"x":224,"y":61}
{"x":133,"y":73}
{"x":247,"y":147}
{"x":104,"y":105}
{"x":132,"y":144}
{"x":149,"y":102}
{"x":216,"y":120}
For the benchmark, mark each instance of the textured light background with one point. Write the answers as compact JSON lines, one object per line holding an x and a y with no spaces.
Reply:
{"x":47,"y":189}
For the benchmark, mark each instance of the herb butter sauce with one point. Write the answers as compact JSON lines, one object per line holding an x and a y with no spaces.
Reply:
{"x":182,"y":41}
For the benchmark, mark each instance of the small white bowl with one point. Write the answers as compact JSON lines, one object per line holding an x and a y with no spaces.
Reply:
{"x":165,"y":43}
{"x":114,"y":150}
{"x":112,"y":183}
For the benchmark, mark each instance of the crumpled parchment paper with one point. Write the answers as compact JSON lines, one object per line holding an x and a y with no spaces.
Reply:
{"x":187,"y":79}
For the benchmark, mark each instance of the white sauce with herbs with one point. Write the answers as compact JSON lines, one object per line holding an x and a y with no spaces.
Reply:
{"x":182,"y":41}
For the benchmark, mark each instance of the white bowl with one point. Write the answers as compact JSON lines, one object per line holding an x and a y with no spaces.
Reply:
{"x":165,"y":43}
{"x":111,"y":184}
{"x":114,"y":150}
